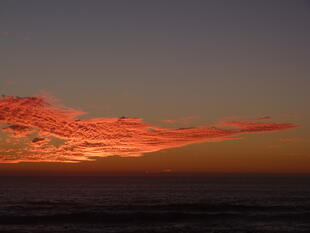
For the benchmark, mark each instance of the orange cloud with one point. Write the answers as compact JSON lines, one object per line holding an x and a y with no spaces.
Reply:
{"x":18,"y":131}
{"x":63,"y":138}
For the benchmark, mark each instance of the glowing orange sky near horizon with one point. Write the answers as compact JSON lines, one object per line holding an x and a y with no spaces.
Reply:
{"x":34,"y":123}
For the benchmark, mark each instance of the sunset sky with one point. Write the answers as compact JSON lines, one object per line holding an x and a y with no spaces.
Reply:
{"x":100,"y":87}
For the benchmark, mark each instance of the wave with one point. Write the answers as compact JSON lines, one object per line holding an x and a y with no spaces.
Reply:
{"x":156,"y":213}
{"x":210,"y":207}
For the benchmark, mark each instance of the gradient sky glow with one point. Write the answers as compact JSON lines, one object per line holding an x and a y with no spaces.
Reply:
{"x":174,"y":64}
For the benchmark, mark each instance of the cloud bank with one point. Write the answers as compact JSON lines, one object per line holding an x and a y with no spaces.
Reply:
{"x":45,"y":132}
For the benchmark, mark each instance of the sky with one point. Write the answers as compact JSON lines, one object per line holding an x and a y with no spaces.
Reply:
{"x":100,"y":87}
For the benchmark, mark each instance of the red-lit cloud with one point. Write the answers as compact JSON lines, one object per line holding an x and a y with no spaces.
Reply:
{"x":49,"y":132}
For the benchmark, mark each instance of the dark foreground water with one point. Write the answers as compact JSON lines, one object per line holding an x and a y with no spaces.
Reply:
{"x":215,"y":204}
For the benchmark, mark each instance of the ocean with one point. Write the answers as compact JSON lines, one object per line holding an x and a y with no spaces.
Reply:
{"x":156,"y":204}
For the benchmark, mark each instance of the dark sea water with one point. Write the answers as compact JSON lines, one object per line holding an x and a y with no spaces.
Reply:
{"x":189,"y":204}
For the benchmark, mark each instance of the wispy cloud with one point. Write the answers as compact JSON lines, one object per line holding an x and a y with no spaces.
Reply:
{"x":9,"y":82}
{"x":255,"y":127}
{"x":264,"y":118}
{"x":27,"y":38}
{"x":275,"y":146}
{"x":17,"y":35}
{"x":182,"y":120}
{"x":290,"y":139}
{"x":289,"y":115}
{"x":100,"y":137}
